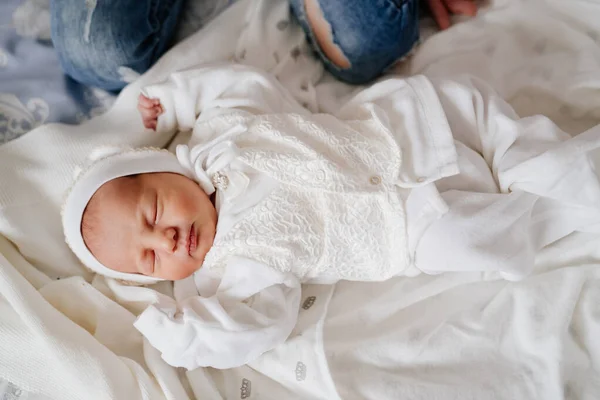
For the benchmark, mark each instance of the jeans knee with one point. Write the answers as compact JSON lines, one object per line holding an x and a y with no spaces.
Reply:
{"x":323,"y":35}
{"x":358,"y":40}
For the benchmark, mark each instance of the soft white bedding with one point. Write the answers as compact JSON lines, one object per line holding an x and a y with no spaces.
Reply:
{"x":443,"y":337}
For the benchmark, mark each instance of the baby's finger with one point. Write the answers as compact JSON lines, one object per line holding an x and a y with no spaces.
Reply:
{"x":150,"y":124}
{"x":150,"y":113}
{"x":145,"y":102}
{"x":147,"y":118}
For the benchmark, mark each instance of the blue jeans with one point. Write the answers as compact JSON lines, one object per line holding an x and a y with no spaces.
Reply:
{"x":102,"y":43}
{"x":372,"y":34}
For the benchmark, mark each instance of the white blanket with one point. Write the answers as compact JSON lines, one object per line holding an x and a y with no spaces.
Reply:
{"x":444,"y":337}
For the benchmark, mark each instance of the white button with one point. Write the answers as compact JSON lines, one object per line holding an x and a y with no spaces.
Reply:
{"x":375,"y":180}
{"x":220,"y":180}
{"x":421,"y":180}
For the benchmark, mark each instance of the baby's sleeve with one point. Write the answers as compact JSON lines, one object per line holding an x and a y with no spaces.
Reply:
{"x":253,"y":310}
{"x":185,"y":95}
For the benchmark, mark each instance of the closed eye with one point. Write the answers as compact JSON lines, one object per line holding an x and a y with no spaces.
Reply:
{"x":155,"y":260}
{"x":155,"y":219}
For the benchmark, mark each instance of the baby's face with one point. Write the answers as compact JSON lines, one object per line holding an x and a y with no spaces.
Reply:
{"x":160,"y":225}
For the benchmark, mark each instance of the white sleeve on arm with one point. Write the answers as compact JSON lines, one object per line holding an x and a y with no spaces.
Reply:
{"x":254,"y":309}
{"x":187,"y":94}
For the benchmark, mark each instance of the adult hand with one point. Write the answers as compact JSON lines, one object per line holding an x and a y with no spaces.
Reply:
{"x":441,"y":10}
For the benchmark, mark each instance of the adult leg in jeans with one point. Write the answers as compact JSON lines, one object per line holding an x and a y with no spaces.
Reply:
{"x":103,"y":43}
{"x":358,"y":40}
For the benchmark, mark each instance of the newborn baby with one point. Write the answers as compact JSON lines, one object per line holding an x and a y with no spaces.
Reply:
{"x":267,"y":196}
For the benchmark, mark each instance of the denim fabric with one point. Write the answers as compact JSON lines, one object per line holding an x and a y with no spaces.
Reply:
{"x":372,"y":34}
{"x":103,"y":43}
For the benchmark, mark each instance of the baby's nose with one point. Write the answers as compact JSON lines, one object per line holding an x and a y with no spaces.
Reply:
{"x":166,"y":240}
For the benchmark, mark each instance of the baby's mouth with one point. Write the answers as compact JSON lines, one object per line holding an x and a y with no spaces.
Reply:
{"x":192,"y":243}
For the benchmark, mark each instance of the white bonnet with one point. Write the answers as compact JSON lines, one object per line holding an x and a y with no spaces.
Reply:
{"x":106,"y":164}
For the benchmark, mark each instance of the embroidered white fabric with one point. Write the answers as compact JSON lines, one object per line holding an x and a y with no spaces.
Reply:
{"x":327,"y":218}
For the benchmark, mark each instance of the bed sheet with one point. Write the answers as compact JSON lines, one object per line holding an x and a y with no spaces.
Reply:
{"x":455,"y":336}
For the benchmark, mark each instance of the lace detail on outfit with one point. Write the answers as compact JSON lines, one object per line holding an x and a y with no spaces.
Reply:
{"x":322,"y":153}
{"x":334,"y":213}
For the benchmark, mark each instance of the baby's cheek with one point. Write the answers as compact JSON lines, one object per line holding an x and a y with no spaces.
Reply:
{"x":187,"y":210}
{"x":182,"y":271}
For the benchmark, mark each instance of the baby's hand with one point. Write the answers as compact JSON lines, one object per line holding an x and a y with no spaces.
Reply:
{"x":149,"y":109}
